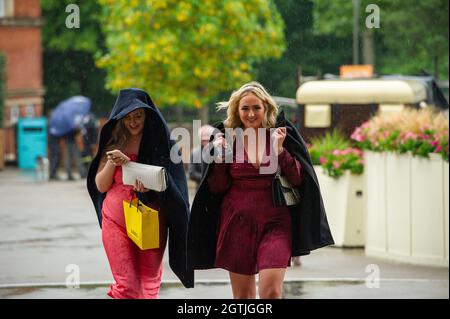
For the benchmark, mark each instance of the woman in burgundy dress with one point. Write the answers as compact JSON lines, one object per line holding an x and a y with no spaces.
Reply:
{"x":252,"y":235}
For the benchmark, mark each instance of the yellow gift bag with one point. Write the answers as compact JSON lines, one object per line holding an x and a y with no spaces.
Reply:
{"x":142,"y":224}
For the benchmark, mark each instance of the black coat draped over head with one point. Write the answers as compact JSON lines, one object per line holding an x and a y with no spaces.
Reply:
{"x":154,"y":150}
{"x":310,"y":229}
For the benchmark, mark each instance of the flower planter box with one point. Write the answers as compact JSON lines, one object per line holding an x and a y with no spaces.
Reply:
{"x":427,"y":210}
{"x":376,"y":220}
{"x":344,"y":203}
{"x":398,"y":204}
{"x":407,"y":208}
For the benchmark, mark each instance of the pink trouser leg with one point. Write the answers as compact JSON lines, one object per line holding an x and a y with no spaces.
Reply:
{"x":123,"y":257}
{"x":151,"y":264}
{"x":151,"y":273}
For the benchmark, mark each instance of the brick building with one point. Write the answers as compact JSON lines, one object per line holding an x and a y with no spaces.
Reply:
{"x":20,"y":43}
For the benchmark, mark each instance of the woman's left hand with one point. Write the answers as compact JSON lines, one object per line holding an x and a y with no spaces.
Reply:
{"x":139,"y":187}
{"x":278,"y":137}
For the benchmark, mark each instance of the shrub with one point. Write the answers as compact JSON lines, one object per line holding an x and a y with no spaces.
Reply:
{"x":420,"y":132}
{"x":335,"y":154}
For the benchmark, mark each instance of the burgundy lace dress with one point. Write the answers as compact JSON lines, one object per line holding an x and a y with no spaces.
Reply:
{"x":253,"y":234}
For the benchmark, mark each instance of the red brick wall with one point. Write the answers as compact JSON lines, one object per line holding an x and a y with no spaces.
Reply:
{"x":27,"y":9}
{"x":22,"y":48}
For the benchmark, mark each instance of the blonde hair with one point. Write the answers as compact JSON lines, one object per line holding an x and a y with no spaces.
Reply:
{"x":270,"y":107}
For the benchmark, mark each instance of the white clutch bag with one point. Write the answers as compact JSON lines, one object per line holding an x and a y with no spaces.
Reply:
{"x":153,"y":177}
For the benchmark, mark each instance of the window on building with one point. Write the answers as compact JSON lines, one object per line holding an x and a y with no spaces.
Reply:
{"x":6,"y":8}
{"x":317,"y":116}
{"x":14,"y":115}
{"x":29,"y":110}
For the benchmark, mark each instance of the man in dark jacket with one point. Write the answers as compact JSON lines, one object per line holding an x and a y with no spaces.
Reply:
{"x":310,"y":228}
{"x":153,"y":151}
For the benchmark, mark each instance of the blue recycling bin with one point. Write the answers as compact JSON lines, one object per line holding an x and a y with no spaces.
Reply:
{"x":31,"y":141}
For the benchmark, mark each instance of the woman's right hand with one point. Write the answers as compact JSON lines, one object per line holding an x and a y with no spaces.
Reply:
{"x":117,"y":158}
{"x":219,"y":141}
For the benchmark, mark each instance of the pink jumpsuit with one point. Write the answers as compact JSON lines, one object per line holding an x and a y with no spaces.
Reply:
{"x":137,"y":272}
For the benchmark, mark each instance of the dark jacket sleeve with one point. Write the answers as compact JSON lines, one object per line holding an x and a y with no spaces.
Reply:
{"x":219,"y":180}
{"x":290,"y":167}
{"x":195,"y":170}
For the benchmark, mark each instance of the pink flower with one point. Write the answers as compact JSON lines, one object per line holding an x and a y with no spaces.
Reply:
{"x":358,"y":137}
{"x":358,"y":152}
{"x":322,"y":160}
{"x":374,"y":141}
{"x":424,"y":136}
{"x":336,"y":164}
{"x":408,"y":136}
{"x":365,"y":125}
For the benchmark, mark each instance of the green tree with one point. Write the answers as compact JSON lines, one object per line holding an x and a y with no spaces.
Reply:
{"x":410,"y":37}
{"x":424,"y":32}
{"x":68,"y":57}
{"x":57,"y":36}
{"x":314,"y":54}
{"x":188,"y":51}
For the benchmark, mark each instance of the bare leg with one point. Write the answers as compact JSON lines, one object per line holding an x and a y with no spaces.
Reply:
{"x":271,"y":283}
{"x":243,"y":286}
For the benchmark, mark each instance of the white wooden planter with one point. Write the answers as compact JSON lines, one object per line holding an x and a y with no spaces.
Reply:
{"x":375,"y":185}
{"x":427,"y":210}
{"x":407,"y":208}
{"x":398,"y":204}
{"x":344,"y":204}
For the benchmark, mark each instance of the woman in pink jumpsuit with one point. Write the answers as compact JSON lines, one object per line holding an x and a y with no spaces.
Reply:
{"x":137,"y":273}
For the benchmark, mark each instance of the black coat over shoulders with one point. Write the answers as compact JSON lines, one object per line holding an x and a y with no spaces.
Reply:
{"x":154,"y":150}
{"x":310,"y":229}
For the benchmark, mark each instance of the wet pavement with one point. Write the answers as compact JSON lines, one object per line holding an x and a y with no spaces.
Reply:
{"x":410,"y":289}
{"x":49,"y":235}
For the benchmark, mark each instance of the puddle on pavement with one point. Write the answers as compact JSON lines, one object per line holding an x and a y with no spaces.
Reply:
{"x":16,"y":292}
{"x":299,"y":289}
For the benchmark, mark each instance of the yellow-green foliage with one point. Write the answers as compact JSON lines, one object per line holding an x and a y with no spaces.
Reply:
{"x":185,"y":52}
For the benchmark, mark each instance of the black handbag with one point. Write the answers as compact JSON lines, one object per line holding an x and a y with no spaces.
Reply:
{"x":284,"y":193}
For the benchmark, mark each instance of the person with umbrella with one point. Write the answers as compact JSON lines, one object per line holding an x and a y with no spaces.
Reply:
{"x":88,"y":130}
{"x":55,"y":153}
{"x":65,"y":121}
